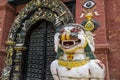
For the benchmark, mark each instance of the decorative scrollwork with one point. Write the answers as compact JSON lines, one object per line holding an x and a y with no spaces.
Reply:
{"x":54,"y":11}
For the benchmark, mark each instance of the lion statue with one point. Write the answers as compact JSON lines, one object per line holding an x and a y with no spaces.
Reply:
{"x":75,"y":58}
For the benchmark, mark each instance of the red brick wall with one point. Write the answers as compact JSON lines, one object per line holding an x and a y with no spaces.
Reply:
{"x":101,"y":32}
{"x":7,"y":14}
{"x":113,"y":30}
{"x":2,"y":61}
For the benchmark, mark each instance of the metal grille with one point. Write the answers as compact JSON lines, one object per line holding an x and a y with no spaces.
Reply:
{"x":50,"y":54}
{"x":40,"y":53}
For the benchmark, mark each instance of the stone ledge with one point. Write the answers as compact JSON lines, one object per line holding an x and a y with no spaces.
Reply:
{"x":102,"y":48}
{"x":2,"y":52}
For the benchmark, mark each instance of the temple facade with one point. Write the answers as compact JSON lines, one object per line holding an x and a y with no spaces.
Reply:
{"x":107,"y":38}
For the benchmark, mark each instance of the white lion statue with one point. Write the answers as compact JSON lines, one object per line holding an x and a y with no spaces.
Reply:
{"x":75,"y":58}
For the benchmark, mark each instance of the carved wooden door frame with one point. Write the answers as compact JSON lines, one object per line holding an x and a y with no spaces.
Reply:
{"x":53,"y":11}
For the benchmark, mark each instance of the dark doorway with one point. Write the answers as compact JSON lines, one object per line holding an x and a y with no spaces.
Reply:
{"x":40,"y":52}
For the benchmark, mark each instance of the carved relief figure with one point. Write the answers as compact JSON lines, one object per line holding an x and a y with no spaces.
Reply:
{"x":75,"y":58}
{"x":89,"y":10}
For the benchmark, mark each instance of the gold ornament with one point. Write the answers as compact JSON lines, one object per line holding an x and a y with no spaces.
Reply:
{"x":89,"y":26}
{"x":72,"y":64}
{"x":70,"y":56}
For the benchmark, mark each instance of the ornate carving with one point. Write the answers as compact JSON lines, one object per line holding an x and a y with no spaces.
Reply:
{"x":74,"y":45}
{"x":9,"y":60}
{"x":75,"y":55}
{"x":89,"y":10}
{"x":54,"y":11}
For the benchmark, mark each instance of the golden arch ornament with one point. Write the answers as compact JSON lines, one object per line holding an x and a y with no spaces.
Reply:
{"x":53,"y":11}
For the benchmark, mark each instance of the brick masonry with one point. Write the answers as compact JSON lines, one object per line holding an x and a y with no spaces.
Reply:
{"x":7,"y":14}
{"x":113,"y":30}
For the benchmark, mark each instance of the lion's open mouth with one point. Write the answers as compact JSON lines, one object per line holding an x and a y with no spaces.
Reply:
{"x":69,"y":43}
